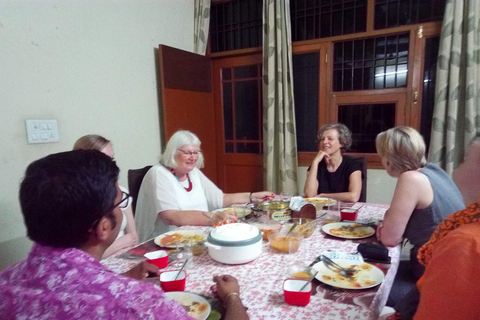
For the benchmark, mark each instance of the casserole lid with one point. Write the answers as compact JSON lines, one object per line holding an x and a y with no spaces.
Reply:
{"x":235,"y":235}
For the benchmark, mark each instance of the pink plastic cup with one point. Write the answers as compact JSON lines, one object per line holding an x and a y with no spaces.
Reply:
{"x":158,"y":258}
{"x":348,"y":214}
{"x":292,"y":293}
{"x":168,"y":282}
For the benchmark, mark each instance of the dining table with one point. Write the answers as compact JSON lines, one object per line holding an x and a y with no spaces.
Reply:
{"x":261,"y":280}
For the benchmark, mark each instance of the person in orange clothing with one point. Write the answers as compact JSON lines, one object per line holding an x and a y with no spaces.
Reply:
{"x":450,"y":286}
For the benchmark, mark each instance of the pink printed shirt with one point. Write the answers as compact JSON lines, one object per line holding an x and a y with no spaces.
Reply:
{"x":55,"y":283}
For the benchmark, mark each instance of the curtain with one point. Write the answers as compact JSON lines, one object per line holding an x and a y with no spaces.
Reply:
{"x":280,"y":149}
{"x":456,"y":115}
{"x":201,"y":23}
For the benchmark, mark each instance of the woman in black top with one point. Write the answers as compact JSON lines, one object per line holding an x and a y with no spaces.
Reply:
{"x":332,"y":174}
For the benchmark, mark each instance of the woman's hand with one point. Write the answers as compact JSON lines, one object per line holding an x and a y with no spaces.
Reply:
{"x":261,"y":196}
{"x":319,"y":157}
{"x":219,"y":216}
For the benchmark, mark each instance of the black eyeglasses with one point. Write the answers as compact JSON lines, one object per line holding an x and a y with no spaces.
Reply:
{"x":122,"y":204}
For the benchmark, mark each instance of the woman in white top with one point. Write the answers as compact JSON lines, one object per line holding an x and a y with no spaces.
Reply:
{"x":127,"y":237}
{"x":175,"y":192}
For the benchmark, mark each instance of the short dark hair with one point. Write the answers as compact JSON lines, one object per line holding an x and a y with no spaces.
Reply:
{"x":63,"y":194}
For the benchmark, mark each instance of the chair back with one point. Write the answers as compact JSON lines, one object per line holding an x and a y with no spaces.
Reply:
{"x":363,"y":194}
{"x":135,"y":178}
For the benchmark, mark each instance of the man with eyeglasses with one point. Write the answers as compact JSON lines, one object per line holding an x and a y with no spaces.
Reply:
{"x":71,"y":203}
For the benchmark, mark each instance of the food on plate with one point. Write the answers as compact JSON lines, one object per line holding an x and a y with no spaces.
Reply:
{"x":168,"y":239}
{"x":321,"y":202}
{"x":354,"y":231}
{"x":195,"y":309}
{"x":180,"y":237}
{"x":285,"y":244}
{"x":362,"y":278}
{"x":224,"y":222}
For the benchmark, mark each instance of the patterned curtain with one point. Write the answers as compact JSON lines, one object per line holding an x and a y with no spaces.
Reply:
{"x":280,"y":146}
{"x":202,"y":22}
{"x":456,"y":116}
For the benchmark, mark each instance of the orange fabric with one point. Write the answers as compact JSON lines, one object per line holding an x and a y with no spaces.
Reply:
{"x":468,"y":215}
{"x":451,"y":285}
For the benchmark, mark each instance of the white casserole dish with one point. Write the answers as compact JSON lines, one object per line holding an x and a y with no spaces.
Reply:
{"x":234,"y":243}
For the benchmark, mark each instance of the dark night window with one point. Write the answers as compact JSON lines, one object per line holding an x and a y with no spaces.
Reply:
{"x":366,"y":121}
{"x":394,"y":13}
{"x":373,"y":63}
{"x":242,"y":102}
{"x":314,"y":19}
{"x":236,"y":24}
{"x":429,"y":80}
{"x":306,"y":70}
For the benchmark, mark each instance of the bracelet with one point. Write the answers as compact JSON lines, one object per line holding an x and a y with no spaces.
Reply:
{"x":250,"y":197}
{"x":230,"y":294}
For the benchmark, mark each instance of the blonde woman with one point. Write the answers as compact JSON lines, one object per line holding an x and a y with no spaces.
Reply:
{"x":127,"y":237}
{"x":423,"y":197}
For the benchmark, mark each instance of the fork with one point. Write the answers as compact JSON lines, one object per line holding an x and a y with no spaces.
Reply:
{"x":343,"y":271}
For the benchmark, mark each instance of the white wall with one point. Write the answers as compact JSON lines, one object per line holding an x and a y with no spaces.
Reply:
{"x":380,"y":186}
{"x":91,"y":66}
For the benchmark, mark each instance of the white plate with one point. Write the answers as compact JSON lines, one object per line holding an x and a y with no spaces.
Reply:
{"x":183,"y":233}
{"x":326,"y":201}
{"x":363,"y":279}
{"x":186,"y":299}
{"x":359,"y":232}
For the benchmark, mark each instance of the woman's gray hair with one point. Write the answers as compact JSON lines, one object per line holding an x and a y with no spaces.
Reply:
{"x":344,"y":134}
{"x":403,"y":147}
{"x":177,"y":141}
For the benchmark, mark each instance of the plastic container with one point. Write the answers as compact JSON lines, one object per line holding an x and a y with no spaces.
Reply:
{"x":158,"y":258}
{"x":168,"y":282}
{"x":292,"y":293}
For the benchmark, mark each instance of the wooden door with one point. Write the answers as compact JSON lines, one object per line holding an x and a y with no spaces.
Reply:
{"x":237,"y":87}
{"x":187,"y":100}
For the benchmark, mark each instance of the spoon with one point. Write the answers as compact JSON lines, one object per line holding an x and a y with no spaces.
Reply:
{"x":183,"y":266}
{"x":291,"y":229}
{"x":308,"y":281}
{"x":343,"y":271}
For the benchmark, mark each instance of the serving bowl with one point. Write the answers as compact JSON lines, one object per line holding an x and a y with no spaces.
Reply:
{"x":279,"y":241}
{"x":305,"y":226}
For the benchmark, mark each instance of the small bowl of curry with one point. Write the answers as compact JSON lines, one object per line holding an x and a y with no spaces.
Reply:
{"x":279,"y":241}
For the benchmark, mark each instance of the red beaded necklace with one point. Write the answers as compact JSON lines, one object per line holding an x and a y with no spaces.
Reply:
{"x":188,"y":178}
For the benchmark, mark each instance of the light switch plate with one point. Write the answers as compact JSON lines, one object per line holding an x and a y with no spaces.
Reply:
{"x":42,"y":131}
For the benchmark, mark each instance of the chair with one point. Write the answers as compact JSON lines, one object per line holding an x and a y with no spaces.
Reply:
{"x":135,"y":178}
{"x":363,"y":194}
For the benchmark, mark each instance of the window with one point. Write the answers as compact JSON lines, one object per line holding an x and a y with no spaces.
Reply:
{"x":367,"y":63}
{"x":373,"y":63}
{"x":327,"y":18}
{"x":393,"y":13}
{"x":241,"y":89}
{"x":235,"y":24}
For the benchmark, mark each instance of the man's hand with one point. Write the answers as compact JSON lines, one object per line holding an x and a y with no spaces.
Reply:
{"x":141,"y":271}
{"x":224,"y":286}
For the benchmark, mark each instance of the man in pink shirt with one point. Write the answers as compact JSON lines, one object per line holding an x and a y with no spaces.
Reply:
{"x":70,"y":202}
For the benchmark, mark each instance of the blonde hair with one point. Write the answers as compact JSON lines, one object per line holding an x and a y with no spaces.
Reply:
{"x":91,"y":141}
{"x":403,"y":147}
{"x":179,"y":139}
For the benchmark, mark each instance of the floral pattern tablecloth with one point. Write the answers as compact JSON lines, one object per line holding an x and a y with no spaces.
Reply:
{"x":261,"y":280}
